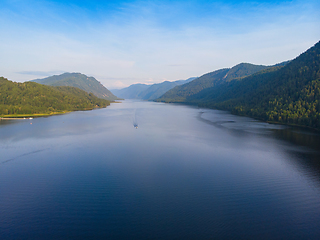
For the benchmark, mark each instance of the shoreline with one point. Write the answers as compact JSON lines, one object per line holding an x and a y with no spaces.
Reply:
{"x":30,"y":116}
{"x":245,"y":115}
{"x":35,"y":115}
{"x":6,"y":118}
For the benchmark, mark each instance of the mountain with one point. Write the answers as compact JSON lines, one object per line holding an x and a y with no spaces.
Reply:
{"x":183,"y":92}
{"x":30,"y":98}
{"x":157,"y":90}
{"x":88,"y":84}
{"x":131,"y":92}
{"x":148,"y":92}
{"x":286,"y":93}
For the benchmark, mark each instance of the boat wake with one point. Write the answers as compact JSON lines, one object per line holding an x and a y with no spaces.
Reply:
{"x":135,"y":121}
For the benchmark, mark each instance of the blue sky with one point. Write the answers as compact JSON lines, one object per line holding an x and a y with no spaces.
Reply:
{"x":126,"y":42}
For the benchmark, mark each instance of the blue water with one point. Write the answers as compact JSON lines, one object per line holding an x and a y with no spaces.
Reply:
{"x":183,"y":173}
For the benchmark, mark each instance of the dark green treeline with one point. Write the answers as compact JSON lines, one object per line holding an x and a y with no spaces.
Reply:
{"x":34,"y":98}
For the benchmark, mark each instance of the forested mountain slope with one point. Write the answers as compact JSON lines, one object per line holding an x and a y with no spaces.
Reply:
{"x":33,"y":98}
{"x":288,"y":94}
{"x":183,"y":92}
{"x":88,"y":84}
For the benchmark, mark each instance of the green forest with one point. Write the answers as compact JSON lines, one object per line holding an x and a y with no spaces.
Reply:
{"x":30,"y":98}
{"x":184,"y":92}
{"x":288,"y":93}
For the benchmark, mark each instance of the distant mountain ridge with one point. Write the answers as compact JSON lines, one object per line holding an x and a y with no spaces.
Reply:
{"x":148,"y":92}
{"x":131,"y":92}
{"x":183,"y":92}
{"x":81,"y":81}
{"x":287,"y":93}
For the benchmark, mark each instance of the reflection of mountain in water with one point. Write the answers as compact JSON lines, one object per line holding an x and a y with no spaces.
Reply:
{"x":303,"y":144}
{"x":308,"y":161}
{"x":6,"y":122}
{"x":299,"y":137}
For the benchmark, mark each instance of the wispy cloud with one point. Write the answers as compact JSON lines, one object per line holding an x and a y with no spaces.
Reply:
{"x":135,"y":41}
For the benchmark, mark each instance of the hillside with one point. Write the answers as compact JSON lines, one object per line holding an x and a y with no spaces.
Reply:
{"x":288,"y":94}
{"x":88,"y":84}
{"x":32,"y":98}
{"x":148,"y":92}
{"x":183,"y":92}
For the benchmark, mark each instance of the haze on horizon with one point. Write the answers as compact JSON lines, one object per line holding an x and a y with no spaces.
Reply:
{"x":125,"y":42}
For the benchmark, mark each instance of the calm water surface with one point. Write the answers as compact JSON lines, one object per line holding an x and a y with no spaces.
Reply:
{"x":184,"y":173}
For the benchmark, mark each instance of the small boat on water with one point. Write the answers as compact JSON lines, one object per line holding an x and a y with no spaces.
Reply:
{"x":135,"y":125}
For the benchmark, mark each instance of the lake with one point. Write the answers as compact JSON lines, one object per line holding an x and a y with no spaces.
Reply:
{"x":183,"y":173}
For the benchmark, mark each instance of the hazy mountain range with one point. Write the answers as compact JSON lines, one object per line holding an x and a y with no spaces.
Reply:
{"x":184,"y":92}
{"x":148,"y":92}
